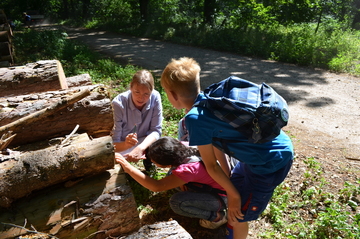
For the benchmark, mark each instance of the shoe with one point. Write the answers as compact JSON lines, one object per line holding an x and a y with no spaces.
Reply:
{"x":213,"y":225}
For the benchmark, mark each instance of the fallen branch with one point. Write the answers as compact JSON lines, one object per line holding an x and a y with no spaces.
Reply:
{"x":29,"y":231}
{"x":71,"y":134}
{"x":6,"y":139}
{"x":355,"y":159}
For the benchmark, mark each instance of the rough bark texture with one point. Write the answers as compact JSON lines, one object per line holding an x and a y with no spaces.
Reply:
{"x":26,"y":172}
{"x":170,"y":229}
{"x":79,"y":80}
{"x":39,"y":76}
{"x":102,"y":206}
{"x":93,"y":114}
{"x":60,"y":104}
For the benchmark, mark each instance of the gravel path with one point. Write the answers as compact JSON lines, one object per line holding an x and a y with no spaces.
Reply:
{"x":319,"y":101}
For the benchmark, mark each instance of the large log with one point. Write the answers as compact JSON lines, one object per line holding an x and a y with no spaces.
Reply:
{"x":79,"y":80}
{"x":35,"y":77}
{"x":23,"y":173}
{"x":169,"y":229}
{"x":102,"y":206}
{"x":93,"y":114}
{"x":39,"y":115}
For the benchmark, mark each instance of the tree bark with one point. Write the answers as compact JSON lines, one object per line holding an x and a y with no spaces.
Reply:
{"x":168,"y":229}
{"x":101,"y":205}
{"x":48,"y":111}
{"x":93,"y":114}
{"x":23,"y":173}
{"x":35,"y":77}
{"x":79,"y":80}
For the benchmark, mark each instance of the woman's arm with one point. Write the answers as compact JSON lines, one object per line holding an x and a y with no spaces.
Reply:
{"x":169,"y":182}
{"x":234,"y":200}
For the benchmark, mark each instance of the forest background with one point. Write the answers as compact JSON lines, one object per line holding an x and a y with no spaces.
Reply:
{"x":317,"y":34}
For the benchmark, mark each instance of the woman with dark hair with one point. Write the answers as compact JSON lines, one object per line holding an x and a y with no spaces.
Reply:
{"x":201,"y":197}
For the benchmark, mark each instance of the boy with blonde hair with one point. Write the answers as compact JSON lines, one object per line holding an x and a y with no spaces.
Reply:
{"x":261,"y":167}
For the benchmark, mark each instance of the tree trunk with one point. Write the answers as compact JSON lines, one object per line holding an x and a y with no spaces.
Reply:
{"x":23,"y":173}
{"x":93,"y":114}
{"x":32,"y":78}
{"x":101,"y":205}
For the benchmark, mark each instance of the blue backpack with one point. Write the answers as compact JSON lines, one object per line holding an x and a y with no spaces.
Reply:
{"x":256,"y":111}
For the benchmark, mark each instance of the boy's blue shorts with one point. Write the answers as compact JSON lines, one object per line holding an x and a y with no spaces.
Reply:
{"x":256,"y":190}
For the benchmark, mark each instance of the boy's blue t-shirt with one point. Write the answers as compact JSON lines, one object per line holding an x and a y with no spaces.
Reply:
{"x":264,"y":158}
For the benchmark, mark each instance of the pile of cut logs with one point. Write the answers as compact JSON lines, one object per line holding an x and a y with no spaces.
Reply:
{"x":6,"y":49}
{"x":57,"y":171}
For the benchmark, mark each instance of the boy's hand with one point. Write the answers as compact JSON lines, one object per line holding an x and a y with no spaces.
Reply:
{"x":234,"y":209}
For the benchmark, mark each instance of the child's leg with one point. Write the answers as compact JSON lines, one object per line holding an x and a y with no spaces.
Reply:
{"x":240,"y":230}
{"x":256,"y":191}
{"x":196,"y":205}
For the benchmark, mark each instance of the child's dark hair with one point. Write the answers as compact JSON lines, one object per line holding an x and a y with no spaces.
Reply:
{"x":169,"y":151}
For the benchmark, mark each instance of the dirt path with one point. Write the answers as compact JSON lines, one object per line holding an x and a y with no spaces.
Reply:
{"x":323,"y":106}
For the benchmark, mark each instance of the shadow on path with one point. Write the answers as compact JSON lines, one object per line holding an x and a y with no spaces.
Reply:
{"x":317,"y":99}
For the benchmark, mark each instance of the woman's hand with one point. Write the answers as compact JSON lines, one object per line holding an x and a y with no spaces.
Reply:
{"x":135,"y":155}
{"x":131,"y":140}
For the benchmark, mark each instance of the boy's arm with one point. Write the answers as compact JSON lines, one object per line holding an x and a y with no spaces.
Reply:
{"x":222,"y":159}
{"x":234,"y":200}
{"x":154,"y":185}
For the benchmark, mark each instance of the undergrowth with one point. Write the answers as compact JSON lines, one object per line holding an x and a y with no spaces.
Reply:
{"x":313,"y":212}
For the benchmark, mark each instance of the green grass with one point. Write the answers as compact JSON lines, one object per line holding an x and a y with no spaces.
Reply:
{"x":313,"y":212}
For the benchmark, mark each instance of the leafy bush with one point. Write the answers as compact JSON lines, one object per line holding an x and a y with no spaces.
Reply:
{"x":328,"y":46}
